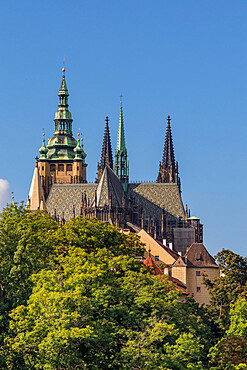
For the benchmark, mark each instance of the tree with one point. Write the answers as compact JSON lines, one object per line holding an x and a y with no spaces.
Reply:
{"x":101,"y":311}
{"x":229,"y":353}
{"x":238,"y":318}
{"x":92,"y":235}
{"x":229,"y":287}
{"x":25,"y":248}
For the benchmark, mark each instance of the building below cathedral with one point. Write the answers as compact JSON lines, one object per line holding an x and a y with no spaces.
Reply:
{"x":155,"y":209}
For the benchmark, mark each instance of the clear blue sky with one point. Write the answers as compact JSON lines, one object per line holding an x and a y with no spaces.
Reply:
{"x":187,"y":59}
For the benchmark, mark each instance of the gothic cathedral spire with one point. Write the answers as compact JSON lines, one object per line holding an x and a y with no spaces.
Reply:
{"x":106,"y":154}
{"x":121,"y":167}
{"x":168,"y":168}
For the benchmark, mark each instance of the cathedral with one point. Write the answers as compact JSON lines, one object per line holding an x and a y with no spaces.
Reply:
{"x":60,"y":184}
{"x":153,"y":210}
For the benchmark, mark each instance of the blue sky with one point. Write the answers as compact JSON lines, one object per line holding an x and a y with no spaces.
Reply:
{"x":187,"y":59}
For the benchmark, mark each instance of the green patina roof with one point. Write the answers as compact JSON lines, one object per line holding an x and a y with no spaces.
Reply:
{"x":63,"y":88}
{"x":121,"y":147}
{"x":62,"y":145}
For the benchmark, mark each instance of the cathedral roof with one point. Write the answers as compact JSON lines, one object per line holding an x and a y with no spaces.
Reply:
{"x":153,"y":197}
{"x":109,"y":189}
{"x":63,"y":197}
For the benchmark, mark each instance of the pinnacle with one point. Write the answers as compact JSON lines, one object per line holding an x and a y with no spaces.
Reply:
{"x":106,"y":153}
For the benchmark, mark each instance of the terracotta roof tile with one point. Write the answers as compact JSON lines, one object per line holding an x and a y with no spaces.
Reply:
{"x":177,"y":284}
{"x":150,"y":263}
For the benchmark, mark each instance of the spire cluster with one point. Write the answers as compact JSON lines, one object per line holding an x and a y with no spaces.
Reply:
{"x":63,"y":150}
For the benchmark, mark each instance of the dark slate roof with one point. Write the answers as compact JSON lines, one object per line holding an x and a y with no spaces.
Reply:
{"x":109,"y":186}
{"x":157,"y":196}
{"x":151,"y":197}
{"x":198,"y":256}
{"x":63,"y":197}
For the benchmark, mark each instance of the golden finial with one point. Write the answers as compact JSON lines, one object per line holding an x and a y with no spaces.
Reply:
{"x":121,"y":99}
{"x":63,"y":70}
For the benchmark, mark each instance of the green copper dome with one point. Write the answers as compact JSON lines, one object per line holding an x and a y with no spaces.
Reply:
{"x":43,"y":150}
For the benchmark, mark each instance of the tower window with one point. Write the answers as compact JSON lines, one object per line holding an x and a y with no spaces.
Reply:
{"x":198,"y":289}
{"x":60,"y":167}
{"x":52,"y":168}
{"x":157,"y":258}
{"x":198,"y":273}
{"x":69,"y":167}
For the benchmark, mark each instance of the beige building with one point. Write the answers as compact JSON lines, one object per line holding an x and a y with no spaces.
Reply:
{"x":186,"y":271}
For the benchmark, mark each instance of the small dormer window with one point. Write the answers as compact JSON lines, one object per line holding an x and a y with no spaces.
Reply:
{"x":199,"y":258}
{"x":157,"y":258}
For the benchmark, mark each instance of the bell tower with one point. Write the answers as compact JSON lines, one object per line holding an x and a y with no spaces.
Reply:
{"x":63,"y":159}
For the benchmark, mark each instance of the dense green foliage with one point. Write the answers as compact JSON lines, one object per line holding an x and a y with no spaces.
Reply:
{"x":229,"y":287}
{"x":76,"y":298}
